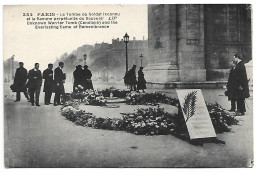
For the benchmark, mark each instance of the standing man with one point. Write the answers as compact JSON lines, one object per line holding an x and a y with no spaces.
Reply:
{"x":35,"y":83}
{"x":132,"y":78}
{"x":20,"y":79}
{"x":59,"y":79}
{"x":232,"y":88}
{"x":48,"y":84}
{"x":242,"y":89}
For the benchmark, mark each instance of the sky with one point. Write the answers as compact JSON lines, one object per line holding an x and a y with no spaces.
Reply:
{"x":30,"y":45}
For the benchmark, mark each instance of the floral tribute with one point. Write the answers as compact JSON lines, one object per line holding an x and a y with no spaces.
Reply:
{"x":70,"y":110}
{"x":89,"y":97}
{"x":150,"y":121}
{"x":98,"y":98}
{"x":136,"y":98}
{"x":93,"y":97}
{"x":221,"y":118}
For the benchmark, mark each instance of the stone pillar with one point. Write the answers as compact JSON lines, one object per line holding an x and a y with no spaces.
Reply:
{"x":176,"y":43}
{"x":190,"y":43}
{"x":162,"y":60}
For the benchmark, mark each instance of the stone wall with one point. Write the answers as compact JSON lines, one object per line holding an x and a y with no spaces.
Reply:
{"x":227,"y":32}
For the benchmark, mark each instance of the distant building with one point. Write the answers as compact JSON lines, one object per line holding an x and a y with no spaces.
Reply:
{"x":196,"y":43}
{"x":109,"y":60}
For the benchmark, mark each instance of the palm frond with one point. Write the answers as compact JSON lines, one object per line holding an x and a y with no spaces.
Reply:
{"x":190,"y":104}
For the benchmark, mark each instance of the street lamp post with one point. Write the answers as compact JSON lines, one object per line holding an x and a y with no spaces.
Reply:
{"x":126,"y":40}
{"x":141,"y":56}
{"x":85,"y":59}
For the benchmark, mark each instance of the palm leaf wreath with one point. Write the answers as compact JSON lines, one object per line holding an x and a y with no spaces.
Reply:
{"x":189,"y":104}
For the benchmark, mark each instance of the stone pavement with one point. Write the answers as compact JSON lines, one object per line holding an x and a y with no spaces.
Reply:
{"x":41,"y":137}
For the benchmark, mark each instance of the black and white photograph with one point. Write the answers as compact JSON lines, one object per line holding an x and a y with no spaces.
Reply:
{"x":128,"y":85}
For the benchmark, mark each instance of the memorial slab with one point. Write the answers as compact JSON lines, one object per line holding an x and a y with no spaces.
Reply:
{"x":195,"y":114}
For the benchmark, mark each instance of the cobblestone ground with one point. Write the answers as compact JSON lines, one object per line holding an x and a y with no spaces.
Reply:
{"x":41,"y":137}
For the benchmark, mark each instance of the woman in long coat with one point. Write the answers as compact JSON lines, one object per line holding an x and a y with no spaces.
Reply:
{"x":141,"y":84}
{"x":87,"y":78}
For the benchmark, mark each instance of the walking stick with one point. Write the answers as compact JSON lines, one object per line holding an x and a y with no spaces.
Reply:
{"x":246,"y":104}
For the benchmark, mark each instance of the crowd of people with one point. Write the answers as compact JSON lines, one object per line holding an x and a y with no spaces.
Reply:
{"x":237,"y":86}
{"x":30,"y":83}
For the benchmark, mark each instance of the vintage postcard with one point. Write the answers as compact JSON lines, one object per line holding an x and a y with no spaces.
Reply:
{"x":132,"y":86}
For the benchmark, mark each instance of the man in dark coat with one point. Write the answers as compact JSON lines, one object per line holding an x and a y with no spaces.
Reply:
{"x":78,"y":77}
{"x":59,"y":79}
{"x":241,"y":84}
{"x":87,"y":78}
{"x":231,"y":88}
{"x":48,"y":84}
{"x":35,"y":83}
{"x":132,"y":78}
{"x":20,"y":79}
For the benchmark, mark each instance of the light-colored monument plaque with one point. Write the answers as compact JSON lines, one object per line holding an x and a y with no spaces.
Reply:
{"x":196,"y":114}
